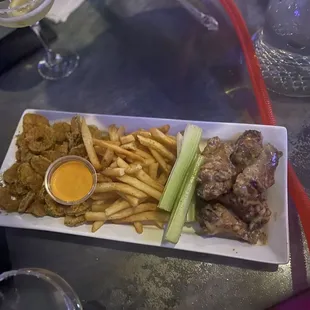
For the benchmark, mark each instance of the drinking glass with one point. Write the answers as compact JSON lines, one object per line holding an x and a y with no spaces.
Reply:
{"x":283,"y":47}
{"x":35,"y":288}
{"x":23,"y":13}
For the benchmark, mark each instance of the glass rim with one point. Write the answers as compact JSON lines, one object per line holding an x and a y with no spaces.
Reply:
{"x":47,"y":276}
{"x":54,"y":165}
{"x":20,"y":7}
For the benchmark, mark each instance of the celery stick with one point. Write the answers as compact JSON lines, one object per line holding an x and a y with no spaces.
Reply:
{"x":191,"y":214}
{"x":190,"y":147}
{"x":178,"y":216}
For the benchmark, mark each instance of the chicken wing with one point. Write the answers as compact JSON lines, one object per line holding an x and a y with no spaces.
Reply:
{"x":259,"y":176}
{"x":253,"y":211}
{"x":215,"y":219}
{"x":247,"y":148}
{"x":217,"y":173}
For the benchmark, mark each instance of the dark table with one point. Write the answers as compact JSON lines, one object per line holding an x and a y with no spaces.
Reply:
{"x":152,"y":58}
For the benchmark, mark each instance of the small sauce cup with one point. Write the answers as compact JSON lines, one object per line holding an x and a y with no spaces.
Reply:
{"x":70,"y":180}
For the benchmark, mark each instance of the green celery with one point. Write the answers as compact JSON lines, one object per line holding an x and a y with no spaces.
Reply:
{"x":191,"y":214}
{"x":190,"y":147}
{"x":178,"y":216}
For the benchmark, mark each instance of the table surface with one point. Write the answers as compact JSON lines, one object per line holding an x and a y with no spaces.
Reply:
{"x":152,"y":58}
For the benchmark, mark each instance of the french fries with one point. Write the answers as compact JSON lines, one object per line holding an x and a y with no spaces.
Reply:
{"x":144,"y":207}
{"x":117,"y":206}
{"x":153,"y":170}
{"x":96,"y":225}
{"x":122,"y":214}
{"x":157,"y":216}
{"x":141,"y":185}
{"x":138,"y":227}
{"x":161,"y":161}
{"x":134,"y":201}
{"x":88,"y":142}
{"x":157,"y":147}
{"x":100,"y":207}
{"x":132,"y":171}
{"x":127,"y":139}
{"x":95,"y":216}
{"x":162,"y":138}
{"x":144,"y":177}
{"x":120,"y":187}
{"x":118,"y":149}
{"x":164,"y":128}
{"x":113,"y":172}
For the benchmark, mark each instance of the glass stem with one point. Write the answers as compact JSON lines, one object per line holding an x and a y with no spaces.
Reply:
{"x":50,"y":55}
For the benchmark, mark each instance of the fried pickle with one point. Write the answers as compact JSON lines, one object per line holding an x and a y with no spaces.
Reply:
{"x":61,"y":130}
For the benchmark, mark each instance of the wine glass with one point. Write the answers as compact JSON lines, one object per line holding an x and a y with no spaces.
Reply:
{"x":23,"y":13}
{"x":35,"y":288}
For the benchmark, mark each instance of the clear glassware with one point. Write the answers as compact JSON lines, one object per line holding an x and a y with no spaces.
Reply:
{"x":23,"y":13}
{"x":35,"y":288}
{"x":283,"y":47}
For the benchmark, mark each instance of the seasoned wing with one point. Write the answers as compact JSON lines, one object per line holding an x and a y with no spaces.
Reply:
{"x":253,"y":211}
{"x":215,"y":219}
{"x":217,"y":173}
{"x":247,"y":148}
{"x":259,"y":176}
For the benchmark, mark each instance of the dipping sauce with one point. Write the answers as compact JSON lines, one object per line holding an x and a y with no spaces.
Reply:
{"x":71,"y":181}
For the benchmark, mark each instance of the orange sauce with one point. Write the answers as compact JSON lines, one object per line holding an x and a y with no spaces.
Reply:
{"x":71,"y":181}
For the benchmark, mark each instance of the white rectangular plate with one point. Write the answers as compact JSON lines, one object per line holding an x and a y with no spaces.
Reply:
{"x":277,"y":249}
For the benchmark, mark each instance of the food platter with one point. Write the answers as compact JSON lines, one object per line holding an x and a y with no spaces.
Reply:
{"x":276,"y":250}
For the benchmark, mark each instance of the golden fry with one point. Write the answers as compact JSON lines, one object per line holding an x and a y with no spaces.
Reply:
{"x":133,"y":201}
{"x":142,"y":186}
{"x":144,"y":154}
{"x":113,"y":133}
{"x":113,"y":172}
{"x":143,"y":133}
{"x":162,"y":178}
{"x":104,"y":196}
{"x":147,"y":162}
{"x":164,"y":128}
{"x":161,"y":161}
{"x":157,"y":146}
{"x":101,"y":178}
{"x":117,"y":206}
{"x":153,"y":169}
{"x":144,"y":177}
{"x":107,"y":158}
{"x":162,"y":138}
{"x":119,"y":187}
{"x":129,"y":146}
{"x":118,"y":149}
{"x":158,"y":216}
{"x":133,"y":169}
{"x":127,"y":139}
{"x":121,"y":131}
{"x":113,"y":165}
{"x":95,"y":216}
{"x":100,"y":207}
{"x":121,"y":214}
{"x":88,"y":142}
{"x":144,"y":207}
{"x":121,"y":163}
{"x":96,"y":225}
{"x":138,"y":227}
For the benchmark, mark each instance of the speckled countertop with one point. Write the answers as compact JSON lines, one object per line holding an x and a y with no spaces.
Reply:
{"x":151,"y":58}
